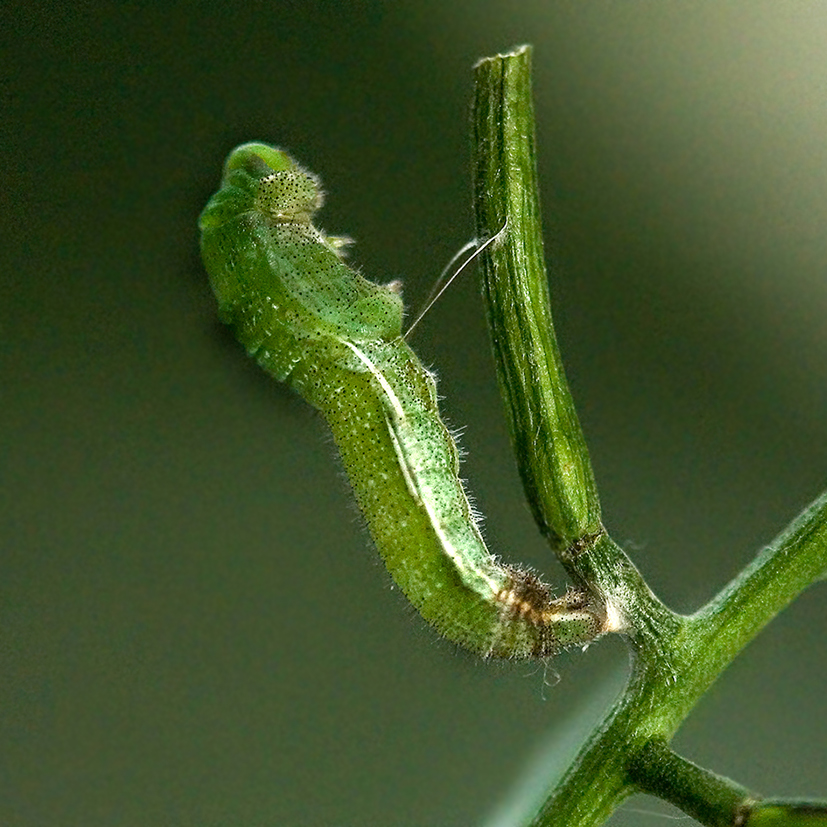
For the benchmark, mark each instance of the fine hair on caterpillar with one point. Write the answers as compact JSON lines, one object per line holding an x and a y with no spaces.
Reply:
{"x":336,"y":338}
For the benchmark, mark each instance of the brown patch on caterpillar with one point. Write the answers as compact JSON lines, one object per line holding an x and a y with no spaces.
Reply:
{"x":527,"y":597}
{"x":524,"y":596}
{"x":559,"y":621}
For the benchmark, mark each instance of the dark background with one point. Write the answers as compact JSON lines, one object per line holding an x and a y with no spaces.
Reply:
{"x":194,"y":629}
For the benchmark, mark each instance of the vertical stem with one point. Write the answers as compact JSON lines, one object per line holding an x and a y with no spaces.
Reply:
{"x":545,"y":432}
{"x":675,"y":659}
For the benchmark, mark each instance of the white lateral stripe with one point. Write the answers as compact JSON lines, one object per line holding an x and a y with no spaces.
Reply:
{"x":394,"y":400}
{"x":459,"y":559}
{"x":457,"y":556}
{"x":407,"y":472}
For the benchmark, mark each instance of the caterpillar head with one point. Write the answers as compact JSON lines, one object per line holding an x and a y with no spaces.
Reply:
{"x":263,"y":178}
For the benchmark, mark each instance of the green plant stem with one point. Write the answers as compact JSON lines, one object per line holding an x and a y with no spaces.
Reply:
{"x":712,"y":799}
{"x":669,"y":678}
{"x":675,"y":658}
{"x":786,"y":813}
{"x":545,"y":431}
{"x":796,"y":559}
{"x":707,"y":797}
{"x":548,"y":442}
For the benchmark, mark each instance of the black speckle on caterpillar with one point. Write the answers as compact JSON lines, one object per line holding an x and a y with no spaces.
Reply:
{"x":336,"y":338}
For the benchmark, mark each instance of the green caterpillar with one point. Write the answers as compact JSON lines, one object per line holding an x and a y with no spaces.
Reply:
{"x":336,"y":338}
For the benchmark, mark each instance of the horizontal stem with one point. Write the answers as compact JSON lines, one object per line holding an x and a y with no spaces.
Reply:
{"x":711,"y":799}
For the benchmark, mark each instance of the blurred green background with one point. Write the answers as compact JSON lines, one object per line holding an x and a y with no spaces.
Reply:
{"x":194,"y":629}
